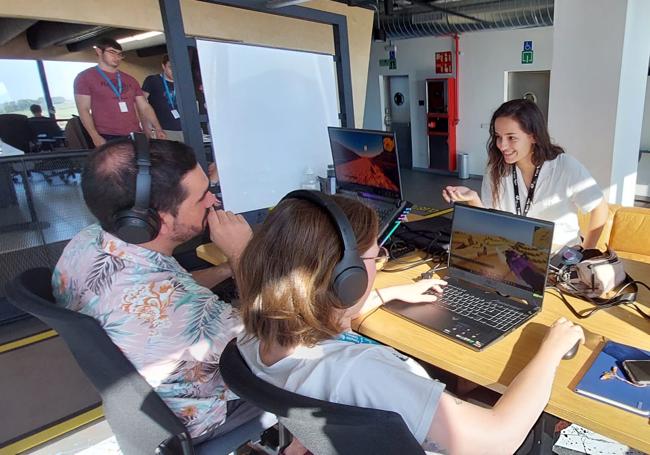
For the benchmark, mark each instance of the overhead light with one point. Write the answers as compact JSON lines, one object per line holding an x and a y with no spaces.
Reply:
{"x":139,"y":37}
{"x":283,"y":3}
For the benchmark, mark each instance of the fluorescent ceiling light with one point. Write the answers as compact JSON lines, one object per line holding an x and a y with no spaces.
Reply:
{"x":283,"y":3}
{"x":139,"y":37}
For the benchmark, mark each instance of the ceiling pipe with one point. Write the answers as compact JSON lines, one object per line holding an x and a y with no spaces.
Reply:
{"x":11,"y":28}
{"x":91,"y":39}
{"x":45,"y":34}
{"x":469,"y":16}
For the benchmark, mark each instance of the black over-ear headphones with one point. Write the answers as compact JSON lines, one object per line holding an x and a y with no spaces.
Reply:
{"x":140,"y":223}
{"x":349,"y":278}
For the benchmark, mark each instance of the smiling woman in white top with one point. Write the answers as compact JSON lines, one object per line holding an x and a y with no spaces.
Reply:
{"x":528,"y":175}
{"x":298,"y":335}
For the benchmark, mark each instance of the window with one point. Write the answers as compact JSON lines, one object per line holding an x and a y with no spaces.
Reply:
{"x":20,"y":87}
{"x":60,"y":80}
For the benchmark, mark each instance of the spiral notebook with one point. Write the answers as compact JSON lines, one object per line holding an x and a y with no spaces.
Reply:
{"x":606,"y":380}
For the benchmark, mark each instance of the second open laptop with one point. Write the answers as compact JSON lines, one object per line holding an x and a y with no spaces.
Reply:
{"x":497,"y":272}
{"x":367,"y":169}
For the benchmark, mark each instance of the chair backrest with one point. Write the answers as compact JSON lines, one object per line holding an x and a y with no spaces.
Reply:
{"x":15,"y":131}
{"x":139,"y":418}
{"x":44,"y":127}
{"x":324,"y":428}
{"x":76,"y":136}
{"x":630,"y":225}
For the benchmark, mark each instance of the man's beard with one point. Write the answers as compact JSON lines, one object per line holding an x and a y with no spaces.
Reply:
{"x":184,"y":232}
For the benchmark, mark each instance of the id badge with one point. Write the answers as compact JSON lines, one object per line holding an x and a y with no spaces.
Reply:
{"x":175,"y":114}
{"x":123,"y":106}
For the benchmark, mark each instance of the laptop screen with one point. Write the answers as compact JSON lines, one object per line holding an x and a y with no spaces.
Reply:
{"x":496,"y":247}
{"x":366,"y":161}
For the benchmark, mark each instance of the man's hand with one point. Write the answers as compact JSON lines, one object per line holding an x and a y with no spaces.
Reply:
{"x":414,"y":293}
{"x":98,"y":141}
{"x":160,"y":134}
{"x":229,"y":232}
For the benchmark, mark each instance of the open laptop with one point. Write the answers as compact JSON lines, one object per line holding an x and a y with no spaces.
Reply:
{"x":497,"y":272}
{"x":367,"y":169}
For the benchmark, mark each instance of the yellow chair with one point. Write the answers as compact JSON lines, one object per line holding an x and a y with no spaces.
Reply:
{"x":627,"y":231}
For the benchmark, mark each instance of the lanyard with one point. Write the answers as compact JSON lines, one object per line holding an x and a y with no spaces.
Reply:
{"x":531,"y":191}
{"x":355,"y":338}
{"x":171,"y":99}
{"x":118,"y":90}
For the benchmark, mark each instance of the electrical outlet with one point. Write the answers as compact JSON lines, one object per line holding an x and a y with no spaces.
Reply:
{"x":485,"y":126}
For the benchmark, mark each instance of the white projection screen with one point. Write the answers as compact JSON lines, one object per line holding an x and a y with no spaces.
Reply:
{"x":269,"y":110}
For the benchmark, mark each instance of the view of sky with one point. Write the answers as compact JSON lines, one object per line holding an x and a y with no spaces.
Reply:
{"x":19,"y":79}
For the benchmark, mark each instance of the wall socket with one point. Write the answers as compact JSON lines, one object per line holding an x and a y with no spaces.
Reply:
{"x":485,"y":126}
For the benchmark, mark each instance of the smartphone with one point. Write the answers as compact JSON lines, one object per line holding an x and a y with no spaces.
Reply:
{"x":637,"y":371}
{"x":566,"y":256}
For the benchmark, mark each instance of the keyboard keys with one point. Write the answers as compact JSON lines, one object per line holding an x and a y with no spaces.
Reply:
{"x":489,"y":312}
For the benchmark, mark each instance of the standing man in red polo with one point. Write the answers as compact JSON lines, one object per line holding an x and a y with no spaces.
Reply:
{"x":110,"y":102}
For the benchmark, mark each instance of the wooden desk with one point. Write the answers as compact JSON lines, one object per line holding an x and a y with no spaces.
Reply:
{"x":497,"y":365}
{"x":9,"y":150}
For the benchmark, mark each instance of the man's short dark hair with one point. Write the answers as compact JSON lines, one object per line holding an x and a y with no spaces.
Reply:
{"x":165,"y":59}
{"x":36,"y":109}
{"x":108,"y":179}
{"x":105,"y":43}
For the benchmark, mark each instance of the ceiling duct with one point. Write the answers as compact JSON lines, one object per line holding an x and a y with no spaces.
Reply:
{"x":438,"y":18}
{"x":11,"y":28}
{"x":45,"y":34}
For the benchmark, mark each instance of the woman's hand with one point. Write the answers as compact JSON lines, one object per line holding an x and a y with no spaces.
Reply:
{"x":461,"y":194}
{"x":560,"y":338}
{"x":414,"y":293}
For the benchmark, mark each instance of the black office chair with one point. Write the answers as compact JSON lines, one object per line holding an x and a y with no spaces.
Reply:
{"x":46,"y":133}
{"x":15,"y":131}
{"x":140,"y":419}
{"x":322,"y":427}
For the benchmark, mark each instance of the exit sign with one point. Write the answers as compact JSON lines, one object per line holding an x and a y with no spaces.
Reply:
{"x":527,"y":53}
{"x":526,"y":57}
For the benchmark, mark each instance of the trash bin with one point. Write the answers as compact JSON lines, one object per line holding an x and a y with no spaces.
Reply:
{"x":463,"y":166}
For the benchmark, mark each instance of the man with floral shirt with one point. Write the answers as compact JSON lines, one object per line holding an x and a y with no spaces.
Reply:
{"x":165,"y":319}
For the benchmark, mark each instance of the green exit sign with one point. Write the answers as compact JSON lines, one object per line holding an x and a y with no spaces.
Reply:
{"x":527,"y":57}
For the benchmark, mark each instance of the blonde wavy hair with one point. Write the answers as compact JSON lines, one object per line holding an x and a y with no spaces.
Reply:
{"x":285,"y":273}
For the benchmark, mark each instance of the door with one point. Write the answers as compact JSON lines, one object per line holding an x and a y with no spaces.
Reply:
{"x":400,"y":112}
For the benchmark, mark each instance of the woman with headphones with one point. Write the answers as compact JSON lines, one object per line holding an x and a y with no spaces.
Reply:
{"x":307,"y":273}
{"x":529,"y":175}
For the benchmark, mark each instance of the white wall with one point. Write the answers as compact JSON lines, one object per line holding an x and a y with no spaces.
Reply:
{"x":645,"y":128}
{"x":643,"y":173}
{"x":598,"y":87}
{"x":485,"y":58}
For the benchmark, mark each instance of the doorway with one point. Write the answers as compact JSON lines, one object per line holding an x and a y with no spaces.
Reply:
{"x":397,"y":116}
{"x":531,"y":85}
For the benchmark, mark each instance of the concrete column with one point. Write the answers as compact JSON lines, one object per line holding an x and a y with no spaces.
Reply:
{"x":599,"y":72}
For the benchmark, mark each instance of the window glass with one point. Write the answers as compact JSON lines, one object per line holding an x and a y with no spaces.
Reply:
{"x":60,"y":80}
{"x":20,"y":87}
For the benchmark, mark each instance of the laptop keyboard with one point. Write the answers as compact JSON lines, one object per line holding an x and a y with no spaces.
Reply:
{"x":384,"y":214}
{"x":488,"y":312}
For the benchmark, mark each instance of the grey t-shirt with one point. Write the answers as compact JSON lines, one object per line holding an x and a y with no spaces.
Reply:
{"x":365,"y":375}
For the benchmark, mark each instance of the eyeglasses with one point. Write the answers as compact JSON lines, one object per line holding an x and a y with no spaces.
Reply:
{"x":115,"y":53}
{"x":381,"y":259}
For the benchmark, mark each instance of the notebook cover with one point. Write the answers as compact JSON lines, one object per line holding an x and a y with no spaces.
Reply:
{"x":600,"y":383}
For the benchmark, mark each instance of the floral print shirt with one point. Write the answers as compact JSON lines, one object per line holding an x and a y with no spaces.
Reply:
{"x":171,"y":328}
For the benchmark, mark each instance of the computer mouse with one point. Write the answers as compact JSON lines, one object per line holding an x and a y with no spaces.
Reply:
{"x":571,"y":353}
